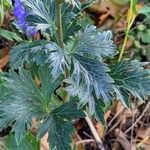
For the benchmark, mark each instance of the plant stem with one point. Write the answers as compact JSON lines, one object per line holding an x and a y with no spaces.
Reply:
{"x":59,"y":24}
{"x":94,"y":132}
{"x":60,"y":36}
{"x":131,"y":19}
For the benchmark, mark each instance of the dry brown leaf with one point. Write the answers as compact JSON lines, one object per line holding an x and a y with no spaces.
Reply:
{"x":5,"y":57}
{"x":4,"y":61}
{"x":127,"y":113}
{"x":144,"y":144}
{"x":43,"y":143}
{"x":76,"y":138}
{"x":143,"y":132}
{"x":109,"y":6}
{"x":100,"y":128}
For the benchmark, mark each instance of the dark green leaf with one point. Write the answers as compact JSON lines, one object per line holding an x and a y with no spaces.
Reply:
{"x":69,"y":110}
{"x":28,"y":52}
{"x":89,"y":75}
{"x":99,"y":112}
{"x":59,"y":125}
{"x":59,"y":133}
{"x":28,"y":143}
{"x":130,"y":77}
{"x":94,"y":74}
{"x":26,"y":100}
{"x":91,"y":41}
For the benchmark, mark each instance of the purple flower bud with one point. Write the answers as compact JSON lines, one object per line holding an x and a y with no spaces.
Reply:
{"x":21,"y":14}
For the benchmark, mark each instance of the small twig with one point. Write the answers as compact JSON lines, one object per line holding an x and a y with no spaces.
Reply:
{"x":140,"y":117}
{"x":115,"y":125}
{"x":87,"y":134}
{"x":85,"y":141}
{"x":94,"y":132}
{"x":116,"y":115}
{"x":121,"y":123}
{"x":132,"y":130}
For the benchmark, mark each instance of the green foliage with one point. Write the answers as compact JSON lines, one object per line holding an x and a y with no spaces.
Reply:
{"x":145,"y":10}
{"x":56,"y":83}
{"x":92,"y":75}
{"x":26,"y":100}
{"x":59,"y":125}
{"x":30,"y":142}
{"x":9,"y":35}
{"x":130,"y":77}
{"x":59,"y":133}
{"x":39,"y":14}
{"x":42,"y":15}
{"x":91,"y":41}
{"x":28,"y":52}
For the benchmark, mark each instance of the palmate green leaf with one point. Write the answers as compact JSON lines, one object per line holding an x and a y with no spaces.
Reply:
{"x":130,"y":77}
{"x":26,"y":100}
{"x":59,"y":125}
{"x":91,"y":41}
{"x":59,"y":133}
{"x":94,"y":74}
{"x":89,"y":76}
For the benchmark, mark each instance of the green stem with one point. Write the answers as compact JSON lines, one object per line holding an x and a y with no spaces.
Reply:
{"x":60,"y":36}
{"x":124,"y":44}
{"x":1,"y":12}
{"x":130,"y":22}
{"x":59,"y":24}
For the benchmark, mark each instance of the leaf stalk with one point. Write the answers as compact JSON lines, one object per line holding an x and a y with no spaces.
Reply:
{"x":59,"y":24}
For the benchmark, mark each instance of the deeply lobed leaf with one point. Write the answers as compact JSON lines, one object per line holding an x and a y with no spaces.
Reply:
{"x":40,"y":52}
{"x":91,"y":41}
{"x":38,"y":14}
{"x":26,"y":100}
{"x":130,"y":77}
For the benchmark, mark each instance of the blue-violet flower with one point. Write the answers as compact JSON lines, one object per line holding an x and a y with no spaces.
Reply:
{"x":20,"y":13}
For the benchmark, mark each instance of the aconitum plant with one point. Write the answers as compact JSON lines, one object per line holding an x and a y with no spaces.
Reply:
{"x":65,"y":75}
